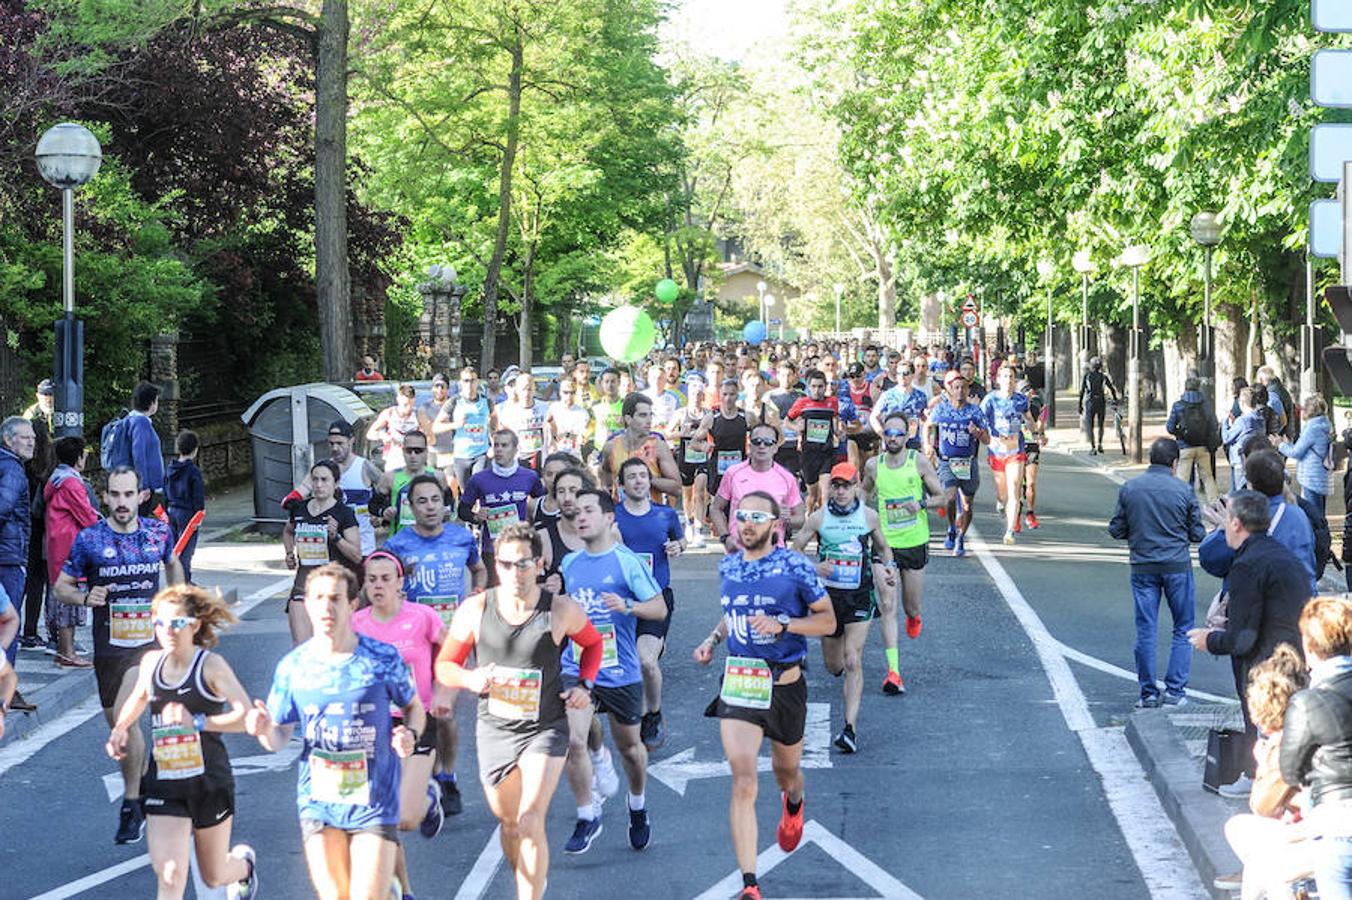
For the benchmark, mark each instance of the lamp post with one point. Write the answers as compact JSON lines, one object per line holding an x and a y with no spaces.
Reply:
{"x":1134,"y":257}
{"x":1082,"y":263}
{"x":1045,"y":269}
{"x":1206,"y":230}
{"x":760,"y":297}
{"x":68,"y":155}
{"x":769,"y":304}
{"x":840,"y":290}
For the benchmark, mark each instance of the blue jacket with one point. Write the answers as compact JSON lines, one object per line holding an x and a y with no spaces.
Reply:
{"x":184,"y":488}
{"x":1158,"y":515}
{"x":146,"y":455}
{"x":1176,"y":416}
{"x":1235,"y":434}
{"x":16,"y":519}
{"x":1293,"y":531}
{"x":1309,"y":451}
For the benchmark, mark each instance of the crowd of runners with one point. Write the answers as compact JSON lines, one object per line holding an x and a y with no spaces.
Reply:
{"x":519,"y":550}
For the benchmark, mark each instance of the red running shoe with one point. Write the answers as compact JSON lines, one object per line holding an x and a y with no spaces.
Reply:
{"x":1018,"y":526}
{"x":790,"y":827}
{"x":751,"y":892}
{"x":1031,"y":518}
{"x":913,"y":626}
{"x":893,"y":684}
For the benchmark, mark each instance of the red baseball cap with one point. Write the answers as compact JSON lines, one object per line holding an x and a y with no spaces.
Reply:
{"x":952,"y":376}
{"x":844,"y":472}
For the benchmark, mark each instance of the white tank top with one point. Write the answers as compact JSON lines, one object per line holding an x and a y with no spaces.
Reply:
{"x":358,"y":498}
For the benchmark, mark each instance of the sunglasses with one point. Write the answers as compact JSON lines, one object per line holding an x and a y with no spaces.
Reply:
{"x":754,"y":516}
{"x":837,"y":483}
{"x":415,"y":449}
{"x":177,"y":623}
{"x":520,"y":565}
{"x":762,"y":442}
{"x":894,"y":432}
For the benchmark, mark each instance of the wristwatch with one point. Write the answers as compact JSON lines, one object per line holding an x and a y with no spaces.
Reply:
{"x":588,"y":684}
{"x":783,"y":619}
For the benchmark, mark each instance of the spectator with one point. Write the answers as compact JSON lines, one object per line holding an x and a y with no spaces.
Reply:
{"x":1158,"y":516}
{"x":1316,"y":747}
{"x":35,"y":583}
{"x":368,"y":371}
{"x":1238,"y":430}
{"x":185,"y":494}
{"x":1266,"y":591}
{"x":1272,"y":415}
{"x":1193,"y":423}
{"x":1279,"y":398}
{"x":69,"y":506}
{"x":16,"y":448}
{"x":1311,"y":452}
{"x":147,"y":455}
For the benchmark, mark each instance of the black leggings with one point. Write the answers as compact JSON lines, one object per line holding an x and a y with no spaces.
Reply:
{"x":1095,"y":410}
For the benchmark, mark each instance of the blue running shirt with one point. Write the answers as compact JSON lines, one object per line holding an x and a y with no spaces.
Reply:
{"x":435,"y":567}
{"x":585,"y":579}
{"x":1005,"y":418}
{"x":785,"y":581}
{"x":647,"y":536}
{"x":954,"y":438}
{"x":129,"y":566}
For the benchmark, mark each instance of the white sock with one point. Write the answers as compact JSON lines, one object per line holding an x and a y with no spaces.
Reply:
{"x":638,"y":801}
{"x":587,"y":812}
{"x":598,"y":757}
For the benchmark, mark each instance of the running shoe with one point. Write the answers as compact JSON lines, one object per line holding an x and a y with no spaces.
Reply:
{"x":696,"y":537}
{"x":750,"y":892}
{"x":248,"y":888}
{"x":1033,"y":523}
{"x":893,"y":684}
{"x":432,"y":821}
{"x":958,"y":548}
{"x":651,"y":731}
{"x":604,"y":779}
{"x":451,"y":802}
{"x":1175,"y":700}
{"x":131,"y":823}
{"x":1018,"y":524}
{"x":951,"y":538}
{"x":846,"y":740}
{"x":1009,"y":538}
{"x":913,"y":626}
{"x":640,"y":829}
{"x":790,"y":830}
{"x":584,"y":832}
{"x":999,"y":507}
{"x":31,"y":642}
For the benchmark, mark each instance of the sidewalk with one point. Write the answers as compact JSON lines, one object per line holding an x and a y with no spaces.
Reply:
{"x":56,"y":690}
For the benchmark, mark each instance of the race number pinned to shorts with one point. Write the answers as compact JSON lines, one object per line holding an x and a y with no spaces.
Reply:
{"x":499,"y":517}
{"x":129,"y":624}
{"x":961,"y":467}
{"x":747,"y":682}
{"x":847,"y":565}
{"x":514,"y":694}
{"x":312,"y":543}
{"x":340,"y":777}
{"x":818,"y":431}
{"x":532,"y":441}
{"x":178,"y":752}
{"x":693,"y":456}
{"x":445,"y":606}
{"x":727,"y":459}
{"x":898,"y":516}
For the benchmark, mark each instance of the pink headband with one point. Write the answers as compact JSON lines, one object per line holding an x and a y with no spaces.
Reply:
{"x":385,"y":554}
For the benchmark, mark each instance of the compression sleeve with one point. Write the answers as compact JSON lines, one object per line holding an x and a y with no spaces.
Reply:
{"x":588,"y":639}
{"x":452,"y":651}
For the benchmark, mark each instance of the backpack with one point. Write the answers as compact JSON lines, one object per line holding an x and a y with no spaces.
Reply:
{"x":115,"y":443}
{"x":1193,"y":427}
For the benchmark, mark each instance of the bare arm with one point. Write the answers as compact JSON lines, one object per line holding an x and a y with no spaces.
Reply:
{"x":809,"y":529}
{"x":669,"y":482}
{"x":795,"y":518}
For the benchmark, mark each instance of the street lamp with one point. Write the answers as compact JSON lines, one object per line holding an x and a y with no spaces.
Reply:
{"x":68,"y":155}
{"x":1133,"y":257}
{"x":1045,"y":269}
{"x":840,"y":289}
{"x":760,"y":297}
{"x":765,"y":318}
{"x":1082,"y":263}
{"x":1206,"y":230}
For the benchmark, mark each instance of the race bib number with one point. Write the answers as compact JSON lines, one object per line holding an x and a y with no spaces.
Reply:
{"x":568,"y":442}
{"x":747,"y":682}
{"x":405,"y":513}
{"x":847,"y":566}
{"x":790,"y":434}
{"x":178,"y":752}
{"x":532,"y":441}
{"x":129,"y":624}
{"x":818,"y":431}
{"x":610,"y":655}
{"x":515,"y":694}
{"x":499,"y":517}
{"x":898,"y":516}
{"x":693,"y":456}
{"x":727,"y":459}
{"x":445,"y":606}
{"x":961,"y":467}
{"x":475,"y":434}
{"x":339,"y":776}
{"x":312,"y":544}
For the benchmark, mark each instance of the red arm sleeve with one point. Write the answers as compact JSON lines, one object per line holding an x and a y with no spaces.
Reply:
{"x":588,"y":641}
{"x":449,"y":668}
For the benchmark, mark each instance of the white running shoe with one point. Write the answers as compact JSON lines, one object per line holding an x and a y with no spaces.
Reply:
{"x":605,"y":781}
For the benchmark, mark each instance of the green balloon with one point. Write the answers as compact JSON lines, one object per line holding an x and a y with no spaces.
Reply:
{"x":627,"y":334}
{"x":667,"y":290}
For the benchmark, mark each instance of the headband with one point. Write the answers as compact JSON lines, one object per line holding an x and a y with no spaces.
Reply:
{"x":385,"y":554}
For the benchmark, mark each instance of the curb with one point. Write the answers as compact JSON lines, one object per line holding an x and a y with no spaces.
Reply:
{"x":1198,"y":815}
{"x":53,"y":700}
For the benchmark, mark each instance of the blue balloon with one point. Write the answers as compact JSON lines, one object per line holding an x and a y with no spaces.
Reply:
{"x":753,"y":332}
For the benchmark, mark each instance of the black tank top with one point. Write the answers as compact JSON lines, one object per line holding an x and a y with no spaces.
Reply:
{"x":540,"y":519}
{"x":728,"y":435}
{"x":180,"y":751}
{"x":529,"y":646}
{"x":557,"y":548}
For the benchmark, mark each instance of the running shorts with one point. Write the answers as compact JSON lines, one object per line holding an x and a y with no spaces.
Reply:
{"x":1034,"y":453}
{"x":310,"y":827}
{"x":658,"y":627}
{"x":815,"y":465}
{"x":624,"y":703}
{"x":851,"y":607}
{"x":109,"y":672}
{"x":499,"y":750}
{"x":998,"y":462}
{"x":785,"y":720}
{"x":912,"y":559}
{"x":206,"y":809}
{"x":968,"y":486}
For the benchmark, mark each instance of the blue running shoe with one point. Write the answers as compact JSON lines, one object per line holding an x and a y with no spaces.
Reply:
{"x":431,"y":824}
{"x":952,"y":537}
{"x":958,"y":548}
{"x":640,"y":829}
{"x":586,"y":831}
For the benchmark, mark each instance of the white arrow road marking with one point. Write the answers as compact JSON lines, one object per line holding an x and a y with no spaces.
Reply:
{"x":680,"y":769}
{"x":244,"y":765}
{"x":887,"y":887}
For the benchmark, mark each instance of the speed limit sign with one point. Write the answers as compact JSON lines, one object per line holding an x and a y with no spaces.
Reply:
{"x":970,"y":319}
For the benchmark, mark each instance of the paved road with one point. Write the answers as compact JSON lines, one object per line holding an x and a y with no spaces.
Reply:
{"x":1003,"y":772}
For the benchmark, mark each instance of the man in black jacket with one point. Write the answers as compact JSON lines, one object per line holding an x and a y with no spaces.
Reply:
{"x":1268,"y":587}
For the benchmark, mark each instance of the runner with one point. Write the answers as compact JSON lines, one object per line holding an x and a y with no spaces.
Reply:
{"x":394,"y":485}
{"x":442,"y":455}
{"x":786,"y":392}
{"x":437,"y":554}
{"x":526,"y":416}
{"x":693,"y":457}
{"x":1006,"y":413}
{"x":607,"y":411}
{"x":570,"y":423}
{"x":1034,"y":439}
{"x":193,"y":696}
{"x":960,"y":428}
{"x":975,"y":389}
{"x":114,"y":567}
{"x":654,"y":533}
{"x":339,"y":687}
{"x":357,"y":478}
{"x":903,"y":480}
{"x":759,"y":473}
{"x":560,"y":535}
{"x":639,"y":441}
{"x":821,"y":429}
{"x":469,"y":417}
{"x":850,"y":545}
{"x":543,"y":509}
{"x":417,"y":632}
{"x":615,"y":589}
{"x":392,"y":423}
{"x":320,"y":531}
{"x":496,"y":497}
{"x":1094,"y":403}
{"x":772,"y":602}
{"x":665,"y":392}
{"x":587,"y":393}
{"x":906,"y":398}
{"x":724,"y":430}
{"x":516,"y":632}
{"x":863,"y":440}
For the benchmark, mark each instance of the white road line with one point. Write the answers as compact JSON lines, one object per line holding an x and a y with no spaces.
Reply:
{"x":1159,"y":854}
{"x":267,"y":592}
{"x":92,"y":881}
{"x":485,"y":867}
{"x":1108,"y":668}
{"x":22,"y":750}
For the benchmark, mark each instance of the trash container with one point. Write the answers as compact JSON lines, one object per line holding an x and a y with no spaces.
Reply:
{"x":288,"y":429}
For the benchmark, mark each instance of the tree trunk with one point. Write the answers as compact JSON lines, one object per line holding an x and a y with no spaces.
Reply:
{"x":887,"y":291}
{"x":494,"y":273}
{"x":333,"y":285}
{"x":523,"y":352}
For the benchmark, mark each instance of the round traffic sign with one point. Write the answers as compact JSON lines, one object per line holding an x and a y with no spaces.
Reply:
{"x":970,"y":319}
